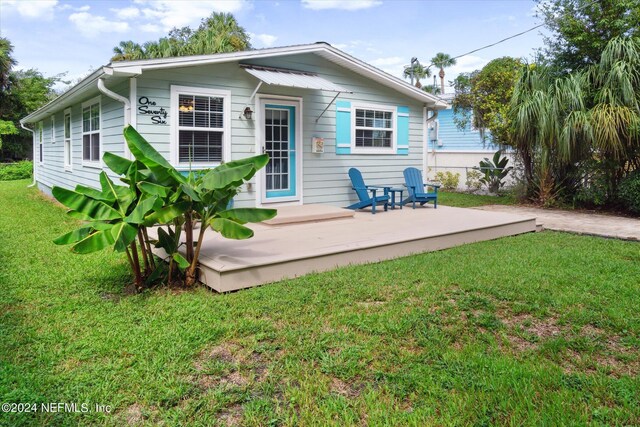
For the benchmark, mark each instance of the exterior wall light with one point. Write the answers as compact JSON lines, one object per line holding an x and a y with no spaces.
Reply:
{"x":247,"y":113}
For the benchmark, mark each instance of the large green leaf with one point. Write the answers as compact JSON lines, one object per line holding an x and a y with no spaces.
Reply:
{"x":145,"y":204}
{"x":153,"y":189}
{"x":166,"y":214}
{"x":73,"y":236}
{"x":118,"y":164}
{"x":244,"y":215}
{"x":123,"y":234}
{"x":152,"y":159}
{"x":93,"y":209}
{"x":123,"y":195}
{"x":230,"y":229}
{"x":95,"y":194}
{"x":221,"y":177}
{"x":258,"y":162}
{"x":94,"y":242}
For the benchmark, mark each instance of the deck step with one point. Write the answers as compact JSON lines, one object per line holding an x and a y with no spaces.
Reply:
{"x":308,"y":213}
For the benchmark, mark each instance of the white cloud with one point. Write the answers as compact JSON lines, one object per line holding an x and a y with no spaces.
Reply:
{"x":264,"y":40}
{"x":172,"y":14}
{"x":92,"y":25}
{"x":126,"y":12}
{"x":393,"y":65}
{"x":467,"y":64}
{"x":150,"y":28}
{"x":32,"y":9}
{"x":340,"y":4}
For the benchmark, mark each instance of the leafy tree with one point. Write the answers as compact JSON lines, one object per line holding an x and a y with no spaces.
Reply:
{"x":566,"y":128}
{"x":580,"y":29}
{"x":218,"y":33}
{"x":442,"y":61}
{"x":21,"y":92}
{"x":485,"y":95}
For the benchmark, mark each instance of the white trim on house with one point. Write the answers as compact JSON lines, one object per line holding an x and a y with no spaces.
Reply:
{"x":133,"y":120}
{"x":394,"y":128}
{"x":53,"y":129}
{"x":67,"y":142}
{"x":176,"y":91}
{"x":40,"y":137}
{"x":261,"y":101}
{"x":88,"y":103}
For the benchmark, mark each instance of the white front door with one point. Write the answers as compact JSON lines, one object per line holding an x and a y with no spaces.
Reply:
{"x":279,"y":126}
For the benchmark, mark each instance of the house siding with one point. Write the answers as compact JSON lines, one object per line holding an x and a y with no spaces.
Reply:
{"x":52,"y":172}
{"x":325,"y":178}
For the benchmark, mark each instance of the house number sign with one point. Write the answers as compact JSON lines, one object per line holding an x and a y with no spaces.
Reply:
{"x":147,"y":107}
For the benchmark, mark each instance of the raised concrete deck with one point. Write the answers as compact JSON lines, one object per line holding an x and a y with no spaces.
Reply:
{"x":285,"y":251}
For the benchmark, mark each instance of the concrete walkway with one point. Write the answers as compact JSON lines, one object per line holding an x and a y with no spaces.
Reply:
{"x":576,"y":222}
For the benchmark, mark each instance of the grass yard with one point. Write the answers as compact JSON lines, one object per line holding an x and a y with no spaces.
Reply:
{"x":465,"y":200}
{"x":537,"y":329}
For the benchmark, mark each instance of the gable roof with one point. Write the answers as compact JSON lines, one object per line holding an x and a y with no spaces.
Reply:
{"x":124,"y":69}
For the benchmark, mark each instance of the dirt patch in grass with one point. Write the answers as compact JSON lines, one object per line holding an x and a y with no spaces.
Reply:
{"x":344,"y":389}
{"x":231,"y":416}
{"x":229,"y":364}
{"x":134,"y":415}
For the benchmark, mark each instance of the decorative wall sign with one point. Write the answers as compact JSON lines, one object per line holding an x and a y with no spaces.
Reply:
{"x":147,"y":107}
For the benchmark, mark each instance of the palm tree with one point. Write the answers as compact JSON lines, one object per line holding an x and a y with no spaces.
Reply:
{"x":219,"y":33}
{"x":417,"y":72}
{"x":442,"y":61}
{"x":127,"y":51}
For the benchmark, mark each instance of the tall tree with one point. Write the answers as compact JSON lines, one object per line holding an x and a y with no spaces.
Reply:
{"x":442,"y":61}
{"x":580,"y":29}
{"x":21,"y":92}
{"x":483,"y":96}
{"x":218,"y":33}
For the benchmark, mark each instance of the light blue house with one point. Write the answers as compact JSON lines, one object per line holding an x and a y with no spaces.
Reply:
{"x":453,"y":149}
{"x":314,"y":109}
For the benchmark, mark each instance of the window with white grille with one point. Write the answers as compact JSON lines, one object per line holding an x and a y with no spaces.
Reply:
{"x":91,"y":131}
{"x":202,"y":125}
{"x":373,"y":129}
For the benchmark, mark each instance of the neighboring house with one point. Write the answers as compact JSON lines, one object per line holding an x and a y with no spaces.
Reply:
{"x":316,"y":110}
{"x":453,"y":149}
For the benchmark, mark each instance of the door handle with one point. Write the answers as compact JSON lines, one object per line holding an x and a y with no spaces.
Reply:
{"x":264,"y":150}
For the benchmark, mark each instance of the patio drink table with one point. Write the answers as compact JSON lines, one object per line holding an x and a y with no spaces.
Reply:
{"x":391,"y":191}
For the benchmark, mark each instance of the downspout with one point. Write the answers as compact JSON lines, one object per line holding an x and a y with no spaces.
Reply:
{"x":120,"y":98}
{"x":33,"y":140}
{"x":426,"y":130}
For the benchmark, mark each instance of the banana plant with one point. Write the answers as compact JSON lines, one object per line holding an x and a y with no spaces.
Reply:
{"x":114,"y":216}
{"x":203,"y":196}
{"x":494,"y":171}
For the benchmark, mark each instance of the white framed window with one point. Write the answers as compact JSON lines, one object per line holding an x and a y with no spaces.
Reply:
{"x":68,"y":151}
{"x":373,"y":129}
{"x":53,"y":129}
{"x":91,"y":125}
{"x":40,"y":142}
{"x":201,"y":126}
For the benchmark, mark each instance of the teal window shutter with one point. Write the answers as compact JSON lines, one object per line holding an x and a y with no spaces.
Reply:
{"x":343,"y":127}
{"x":402,"y":126}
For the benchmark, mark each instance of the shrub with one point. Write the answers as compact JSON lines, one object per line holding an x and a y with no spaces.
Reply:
{"x":14,"y":171}
{"x":473,"y":182}
{"x":629,"y":191}
{"x":494,"y":172}
{"x":449,"y":180}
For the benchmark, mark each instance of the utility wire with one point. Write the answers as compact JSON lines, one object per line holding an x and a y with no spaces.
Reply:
{"x":513,"y":36}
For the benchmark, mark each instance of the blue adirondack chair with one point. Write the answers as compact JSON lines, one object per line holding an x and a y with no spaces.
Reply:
{"x":417,"y":189}
{"x":366,"y":199}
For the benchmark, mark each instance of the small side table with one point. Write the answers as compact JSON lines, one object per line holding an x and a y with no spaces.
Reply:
{"x":391,"y":191}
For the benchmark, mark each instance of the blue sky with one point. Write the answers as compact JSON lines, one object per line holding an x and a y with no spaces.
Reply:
{"x":57,"y":36}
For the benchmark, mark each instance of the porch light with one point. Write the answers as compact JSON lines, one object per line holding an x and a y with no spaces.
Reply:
{"x":247,"y":113}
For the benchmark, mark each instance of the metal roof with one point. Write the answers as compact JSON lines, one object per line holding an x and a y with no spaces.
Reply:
{"x":291,"y":78}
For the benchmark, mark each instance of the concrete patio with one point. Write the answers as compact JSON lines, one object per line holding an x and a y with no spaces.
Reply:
{"x":330,"y":239}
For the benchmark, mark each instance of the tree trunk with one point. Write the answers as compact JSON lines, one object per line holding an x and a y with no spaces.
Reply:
{"x":188,"y":231}
{"x":136,"y":265}
{"x":190,"y":278}
{"x":441,"y":74}
{"x":143,"y":248}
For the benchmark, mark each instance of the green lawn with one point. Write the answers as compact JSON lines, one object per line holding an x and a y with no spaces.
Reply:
{"x":464,"y":200}
{"x":537,"y":329}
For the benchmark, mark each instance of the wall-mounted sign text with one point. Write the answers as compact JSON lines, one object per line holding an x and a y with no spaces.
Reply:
{"x":148,"y":107}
